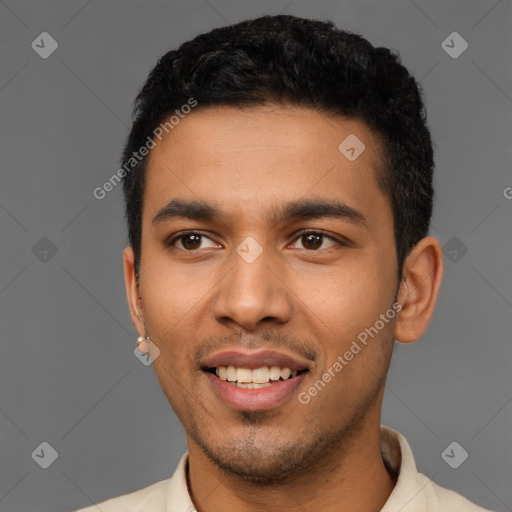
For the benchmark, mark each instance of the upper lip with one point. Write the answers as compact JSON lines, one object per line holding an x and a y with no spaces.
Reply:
{"x":254,"y":359}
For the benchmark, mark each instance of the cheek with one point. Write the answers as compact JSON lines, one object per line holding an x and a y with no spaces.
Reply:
{"x":349,"y":298}
{"x":355,"y":341}
{"x":169,"y":291}
{"x":167,"y":301}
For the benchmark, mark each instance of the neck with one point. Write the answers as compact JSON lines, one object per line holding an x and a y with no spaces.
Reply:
{"x":352,"y":477}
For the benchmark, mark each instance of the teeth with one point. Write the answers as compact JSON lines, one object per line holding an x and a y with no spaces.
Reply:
{"x":275,"y":373}
{"x":252,"y":385}
{"x":231,"y":373}
{"x":261,"y":375}
{"x":257,"y":378}
{"x":222,"y":372}
{"x":243,"y":375}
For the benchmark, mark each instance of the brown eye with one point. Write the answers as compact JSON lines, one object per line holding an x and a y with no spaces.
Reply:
{"x":312,"y":241}
{"x":191,"y":242}
{"x":315,"y":241}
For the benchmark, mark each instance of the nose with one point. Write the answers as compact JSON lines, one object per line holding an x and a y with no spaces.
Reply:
{"x":253,"y":293}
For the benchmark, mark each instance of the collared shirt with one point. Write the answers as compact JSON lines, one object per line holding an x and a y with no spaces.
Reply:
{"x":413,"y":492}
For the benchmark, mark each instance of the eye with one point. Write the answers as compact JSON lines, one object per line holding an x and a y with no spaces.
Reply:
{"x":314,"y":240}
{"x":190,"y":241}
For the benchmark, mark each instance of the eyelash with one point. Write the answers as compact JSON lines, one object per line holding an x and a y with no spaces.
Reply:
{"x":170,"y":242}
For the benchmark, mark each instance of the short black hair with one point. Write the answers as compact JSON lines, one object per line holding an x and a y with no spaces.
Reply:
{"x":295,"y":61}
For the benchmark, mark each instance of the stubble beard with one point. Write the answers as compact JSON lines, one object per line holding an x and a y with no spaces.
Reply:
{"x":267,"y":462}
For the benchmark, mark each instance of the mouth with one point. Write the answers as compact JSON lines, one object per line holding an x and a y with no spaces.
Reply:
{"x":255,"y":380}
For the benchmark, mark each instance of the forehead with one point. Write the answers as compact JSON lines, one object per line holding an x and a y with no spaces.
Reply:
{"x":259,"y":155}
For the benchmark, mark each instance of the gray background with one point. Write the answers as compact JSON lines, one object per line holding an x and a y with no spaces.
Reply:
{"x":68,"y":375}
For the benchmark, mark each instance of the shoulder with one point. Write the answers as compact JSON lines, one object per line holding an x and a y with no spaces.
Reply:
{"x":414,"y":491}
{"x":441,"y":499}
{"x":152,"y":497}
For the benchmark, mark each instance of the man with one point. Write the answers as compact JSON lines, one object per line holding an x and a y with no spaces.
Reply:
{"x":278,"y":186}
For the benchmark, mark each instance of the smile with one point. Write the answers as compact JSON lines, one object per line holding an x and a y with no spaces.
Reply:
{"x":238,"y":391}
{"x":256,"y":378}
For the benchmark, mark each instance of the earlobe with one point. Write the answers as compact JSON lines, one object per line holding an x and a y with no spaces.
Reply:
{"x":422,"y":276}
{"x":132,"y":290}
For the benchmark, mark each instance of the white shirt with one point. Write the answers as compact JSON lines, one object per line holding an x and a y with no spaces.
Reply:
{"x":413,"y":492}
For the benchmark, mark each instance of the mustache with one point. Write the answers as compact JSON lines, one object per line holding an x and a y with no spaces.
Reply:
{"x":266,"y":338}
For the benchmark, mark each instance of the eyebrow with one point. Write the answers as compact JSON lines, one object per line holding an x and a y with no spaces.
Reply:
{"x":302,"y":209}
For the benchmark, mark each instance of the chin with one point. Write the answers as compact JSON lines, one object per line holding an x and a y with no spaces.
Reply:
{"x":259,"y":459}
{"x":258,"y":468}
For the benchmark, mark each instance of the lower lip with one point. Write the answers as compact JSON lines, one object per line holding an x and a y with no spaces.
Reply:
{"x":260,"y":399}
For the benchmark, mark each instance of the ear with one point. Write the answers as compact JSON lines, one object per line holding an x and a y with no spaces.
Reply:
{"x":132,"y":291}
{"x":422,"y":276}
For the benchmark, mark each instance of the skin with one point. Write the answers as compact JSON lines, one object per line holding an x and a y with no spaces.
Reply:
{"x":306,"y":299}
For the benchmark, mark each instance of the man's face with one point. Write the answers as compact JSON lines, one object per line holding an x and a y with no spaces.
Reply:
{"x":251,"y":289}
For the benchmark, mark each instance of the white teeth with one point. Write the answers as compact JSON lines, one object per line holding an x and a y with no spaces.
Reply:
{"x":259,"y":377}
{"x":231,"y":373}
{"x":243,"y":375}
{"x":275,"y":373}
{"x":252,"y":385}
